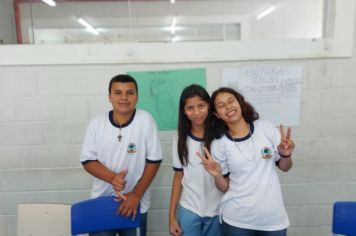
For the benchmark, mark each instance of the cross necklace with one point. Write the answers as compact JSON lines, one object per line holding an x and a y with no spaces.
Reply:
{"x":122,"y":125}
{"x":119,"y":137}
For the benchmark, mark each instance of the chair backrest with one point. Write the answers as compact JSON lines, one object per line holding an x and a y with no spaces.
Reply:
{"x":99,"y":214}
{"x":344,"y":218}
{"x":43,"y":219}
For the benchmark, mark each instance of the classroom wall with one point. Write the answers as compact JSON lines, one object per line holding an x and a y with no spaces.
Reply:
{"x":45,"y":109}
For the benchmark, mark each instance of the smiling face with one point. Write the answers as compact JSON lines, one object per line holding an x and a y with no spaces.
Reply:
{"x":123,"y":97}
{"x":228,"y":108}
{"x":196,"y":110}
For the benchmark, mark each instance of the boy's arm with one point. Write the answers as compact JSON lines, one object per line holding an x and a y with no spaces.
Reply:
{"x":148,"y":174}
{"x":129,"y":206}
{"x":98,"y":170}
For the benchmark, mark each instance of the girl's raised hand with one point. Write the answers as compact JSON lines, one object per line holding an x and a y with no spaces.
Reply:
{"x":286,"y":146}
{"x":210,"y":165}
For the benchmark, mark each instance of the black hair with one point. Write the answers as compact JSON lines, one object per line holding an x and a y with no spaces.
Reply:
{"x":185,"y":125}
{"x":248,"y":112}
{"x":123,"y":79}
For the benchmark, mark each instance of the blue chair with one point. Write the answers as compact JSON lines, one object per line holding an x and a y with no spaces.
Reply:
{"x":99,"y":214}
{"x":344,"y":218}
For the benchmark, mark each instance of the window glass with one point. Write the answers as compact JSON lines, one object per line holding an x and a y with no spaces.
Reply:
{"x":104,"y":21}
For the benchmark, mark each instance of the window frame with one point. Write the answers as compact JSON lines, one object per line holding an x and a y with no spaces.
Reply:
{"x":338,"y":45}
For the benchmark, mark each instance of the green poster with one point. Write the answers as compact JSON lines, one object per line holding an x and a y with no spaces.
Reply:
{"x":159,"y":92}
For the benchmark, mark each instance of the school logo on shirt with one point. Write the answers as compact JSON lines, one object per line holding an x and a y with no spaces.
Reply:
{"x":131,"y":148}
{"x":266,"y":153}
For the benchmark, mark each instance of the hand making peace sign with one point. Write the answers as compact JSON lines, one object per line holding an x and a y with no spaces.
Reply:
{"x":286,"y":146}
{"x":211,"y":166}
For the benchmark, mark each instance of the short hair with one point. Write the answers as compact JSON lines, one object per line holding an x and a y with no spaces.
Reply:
{"x":122,"y":78}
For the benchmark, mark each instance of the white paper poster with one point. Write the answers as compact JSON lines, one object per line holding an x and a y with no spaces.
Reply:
{"x":273,"y":90}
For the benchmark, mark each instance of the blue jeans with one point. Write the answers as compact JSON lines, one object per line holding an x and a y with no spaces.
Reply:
{"x":195,"y":225}
{"x":230,"y":230}
{"x":126,"y":232}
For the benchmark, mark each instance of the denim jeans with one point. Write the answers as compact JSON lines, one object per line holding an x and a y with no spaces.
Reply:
{"x":126,"y":232}
{"x":230,"y":230}
{"x":195,"y":225}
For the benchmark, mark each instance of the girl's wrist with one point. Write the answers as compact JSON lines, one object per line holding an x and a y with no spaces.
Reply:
{"x":285,"y":156}
{"x":172,"y":218}
{"x":219,"y":176}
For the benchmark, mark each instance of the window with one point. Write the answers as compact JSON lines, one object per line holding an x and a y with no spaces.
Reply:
{"x":187,"y":30}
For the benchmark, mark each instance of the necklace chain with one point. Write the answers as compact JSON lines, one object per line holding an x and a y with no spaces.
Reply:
{"x":119,"y":137}
{"x":235,"y":141}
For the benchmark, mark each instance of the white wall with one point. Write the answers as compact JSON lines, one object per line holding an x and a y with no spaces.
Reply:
{"x":45,"y":109}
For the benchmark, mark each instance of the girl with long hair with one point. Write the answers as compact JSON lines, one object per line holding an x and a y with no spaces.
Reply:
{"x":193,"y":188}
{"x":248,"y":152}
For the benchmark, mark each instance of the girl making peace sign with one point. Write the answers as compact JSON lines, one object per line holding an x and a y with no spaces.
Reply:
{"x":243,"y":167}
{"x":193,"y":188}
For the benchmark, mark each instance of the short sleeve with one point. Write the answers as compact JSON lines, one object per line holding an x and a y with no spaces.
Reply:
{"x":89,"y":149}
{"x":153,"y":144}
{"x":219,"y":154}
{"x":177,"y":165}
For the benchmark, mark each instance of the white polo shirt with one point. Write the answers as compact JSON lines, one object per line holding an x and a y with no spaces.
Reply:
{"x":254,"y":198}
{"x":199,"y":193}
{"x":139,"y":144}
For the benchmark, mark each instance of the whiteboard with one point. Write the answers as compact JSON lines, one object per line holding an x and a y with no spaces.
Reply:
{"x":273,"y":90}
